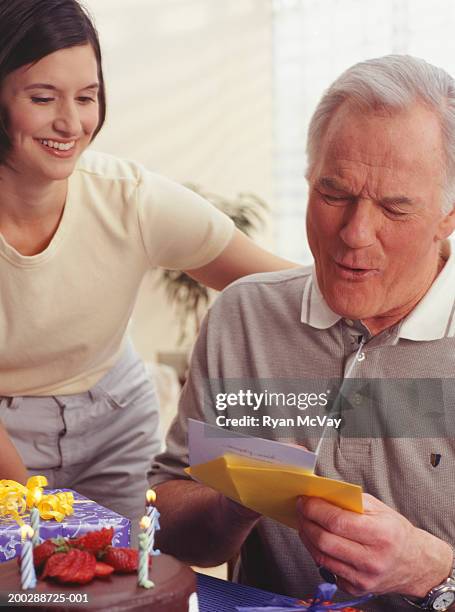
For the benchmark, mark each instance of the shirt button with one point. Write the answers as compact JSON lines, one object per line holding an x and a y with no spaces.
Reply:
{"x":357,"y":399}
{"x":349,"y":322}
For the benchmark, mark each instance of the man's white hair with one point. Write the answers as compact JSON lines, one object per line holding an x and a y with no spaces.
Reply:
{"x":394,"y":82}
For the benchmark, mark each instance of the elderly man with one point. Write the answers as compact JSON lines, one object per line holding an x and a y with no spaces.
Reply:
{"x":378,"y":305}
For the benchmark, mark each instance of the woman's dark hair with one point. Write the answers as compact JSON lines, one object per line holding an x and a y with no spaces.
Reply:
{"x":31,"y":29}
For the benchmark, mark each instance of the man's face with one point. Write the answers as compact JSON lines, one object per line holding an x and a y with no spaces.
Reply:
{"x":374,"y":215}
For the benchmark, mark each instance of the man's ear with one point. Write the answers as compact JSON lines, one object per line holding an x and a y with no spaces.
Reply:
{"x":446,"y":225}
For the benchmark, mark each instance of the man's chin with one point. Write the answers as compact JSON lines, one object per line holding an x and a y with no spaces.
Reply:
{"x":351,"y":306}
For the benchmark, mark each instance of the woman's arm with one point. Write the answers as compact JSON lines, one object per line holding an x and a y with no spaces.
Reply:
{"x":11,"y":465}
{"x":240,"y":258}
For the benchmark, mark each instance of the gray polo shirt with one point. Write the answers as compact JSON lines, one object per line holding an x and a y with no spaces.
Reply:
{"x":394,"y":393}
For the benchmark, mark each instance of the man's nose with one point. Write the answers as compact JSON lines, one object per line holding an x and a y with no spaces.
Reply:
{"x":67,"y":120}
{"x":360,"y":224}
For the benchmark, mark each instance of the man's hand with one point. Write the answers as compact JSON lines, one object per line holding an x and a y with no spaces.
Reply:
{"x":379,"y":551}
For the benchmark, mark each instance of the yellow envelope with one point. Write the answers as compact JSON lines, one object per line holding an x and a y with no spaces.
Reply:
{"x":273,"y":489}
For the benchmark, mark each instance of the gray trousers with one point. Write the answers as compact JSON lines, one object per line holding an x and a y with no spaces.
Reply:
{"x":100,"y":443}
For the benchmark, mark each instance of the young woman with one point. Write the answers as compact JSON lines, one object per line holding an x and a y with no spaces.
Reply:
{"x":78,"y":231}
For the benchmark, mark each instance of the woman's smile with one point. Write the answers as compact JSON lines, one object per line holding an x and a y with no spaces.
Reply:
{"x":58,"y":148}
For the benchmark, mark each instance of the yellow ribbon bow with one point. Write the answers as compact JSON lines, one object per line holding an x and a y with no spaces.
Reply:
{"x":16,"y":499}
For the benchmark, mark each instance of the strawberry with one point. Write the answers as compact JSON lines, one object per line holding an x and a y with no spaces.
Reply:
{"x":94,"y":541}
{"x":123,"y":560}
{"x":77,"y":566}
{"x":42,"y":552}
{"x":82,"y":570}
{"x":55,"y":564}
{"x":103,"y":569}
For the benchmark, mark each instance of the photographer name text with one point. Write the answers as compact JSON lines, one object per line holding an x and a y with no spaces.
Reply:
{"x":265,"y":420}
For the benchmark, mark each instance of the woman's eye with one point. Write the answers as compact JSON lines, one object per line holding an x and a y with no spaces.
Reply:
{"x":86,"y":99}
{"x":38,"y":100}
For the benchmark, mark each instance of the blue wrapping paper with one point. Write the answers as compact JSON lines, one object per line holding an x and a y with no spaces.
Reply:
{"x":88,"y":516}
{"x":325,"y":592}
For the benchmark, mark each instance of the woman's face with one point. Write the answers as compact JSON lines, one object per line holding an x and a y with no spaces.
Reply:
{"x":51,"y":112}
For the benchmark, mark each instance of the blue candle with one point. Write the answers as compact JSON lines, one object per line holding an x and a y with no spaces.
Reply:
{"x":28,"y":575}
{"x":154,"y":526}
{"x":153,"y":515}
{"x":150,"y":499}
{"x":143,"y":562}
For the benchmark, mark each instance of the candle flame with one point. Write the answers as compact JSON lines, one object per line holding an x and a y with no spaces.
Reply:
{"x":26,"y":531}
{"x":150,"y":496}
{"x":145,"y":521}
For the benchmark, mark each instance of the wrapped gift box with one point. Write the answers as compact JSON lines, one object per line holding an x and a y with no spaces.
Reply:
{"x":88,"y":516}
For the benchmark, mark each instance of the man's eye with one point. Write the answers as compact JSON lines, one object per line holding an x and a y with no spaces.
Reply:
{"x":86,"y":99}
{"x":38,"y":100}
{"x":335,"y":200}
{"x":395,"y":211}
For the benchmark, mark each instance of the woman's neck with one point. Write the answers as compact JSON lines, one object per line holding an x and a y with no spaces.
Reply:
{"x":30,"y":212}
{"x":23,"y":199}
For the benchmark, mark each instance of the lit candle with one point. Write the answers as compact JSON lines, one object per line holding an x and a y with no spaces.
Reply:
{"x":143,"y":563}
{"x":28,"y":575}
{"x":154,"y":515}
{"x":150,"y":499}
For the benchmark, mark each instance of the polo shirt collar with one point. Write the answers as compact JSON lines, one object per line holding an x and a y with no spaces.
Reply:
{"x":433,"y":317}
{"x":315,"y":310}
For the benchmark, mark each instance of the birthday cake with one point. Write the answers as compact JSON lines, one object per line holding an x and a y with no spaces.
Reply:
{"x":174,"y":590}
{"x":70,"y":557}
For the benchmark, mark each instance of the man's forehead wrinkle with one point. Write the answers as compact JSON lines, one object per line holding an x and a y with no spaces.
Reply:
{"x":381,"y":186}
{"x":350,"y":170}
{"x":348,"y":152}
{"x":349,"y":165}
{"x":377,"y":168}
{"x":353,"y":142}
{"x":349,"y":136}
